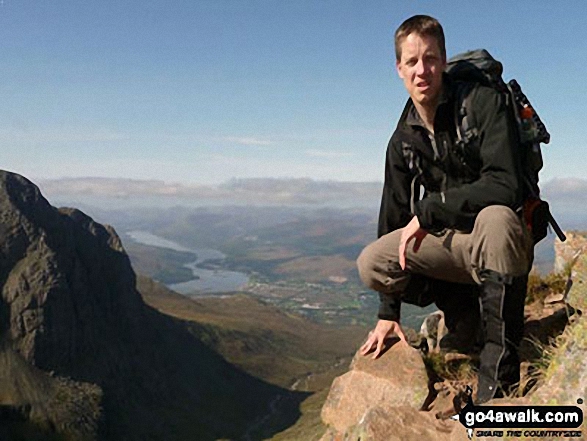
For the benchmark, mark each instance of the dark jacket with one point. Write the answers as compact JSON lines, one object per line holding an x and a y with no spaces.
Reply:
{"x":458,"y":181}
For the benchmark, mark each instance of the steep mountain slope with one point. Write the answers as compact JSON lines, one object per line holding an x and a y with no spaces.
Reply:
{"x":265,"y":341}
{"x":285,"y":349}
{"x":82,"y":356}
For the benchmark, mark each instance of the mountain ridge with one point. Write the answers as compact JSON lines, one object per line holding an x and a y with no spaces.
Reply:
{"x":69,"y":311}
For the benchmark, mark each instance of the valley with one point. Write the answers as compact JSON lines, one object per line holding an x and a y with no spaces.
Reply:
{"x":273,"y":290}
{"x":302,"y":262}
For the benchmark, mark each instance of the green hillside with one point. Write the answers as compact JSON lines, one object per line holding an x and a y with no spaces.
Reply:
{"x":281,"y":348}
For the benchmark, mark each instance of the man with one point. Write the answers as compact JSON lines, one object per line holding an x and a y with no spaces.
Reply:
{"x":471,"y":252}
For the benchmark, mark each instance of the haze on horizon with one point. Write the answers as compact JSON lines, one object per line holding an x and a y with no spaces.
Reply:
{"x":196,"y":93}
{"x":567,"y":196}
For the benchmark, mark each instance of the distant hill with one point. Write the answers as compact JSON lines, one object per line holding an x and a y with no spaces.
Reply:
{"x":83,"y":357}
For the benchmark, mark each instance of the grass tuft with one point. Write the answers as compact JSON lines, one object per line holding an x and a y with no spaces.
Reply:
{"x":541,"y":287}
{"x":453,"y":370}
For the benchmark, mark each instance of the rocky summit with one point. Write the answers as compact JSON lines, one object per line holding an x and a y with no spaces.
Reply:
{"x":83,"y":357}
{"x":369,"y":383}
{"x":385,"y":399}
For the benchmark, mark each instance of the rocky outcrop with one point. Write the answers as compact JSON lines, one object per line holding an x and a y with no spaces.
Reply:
{"x":382,"y":399}
{"x":43,"y":403}
{"x":399,"y":424}
{"x":365,"y":411}
{"x":565,"y":379}
{"x":81,"y":355}
{"x":566,"y":253}
{"x":369,"y":383}
{"x":66,"y":283}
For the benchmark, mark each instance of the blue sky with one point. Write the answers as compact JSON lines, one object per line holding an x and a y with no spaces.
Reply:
{"x":203,"y":91}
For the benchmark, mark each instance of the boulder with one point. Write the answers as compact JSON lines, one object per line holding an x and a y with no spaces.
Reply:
{"x":565,"y":379}
{"x":396,"y":378}
{"x":402,"y":423}
{"x":433,"y":329}
{"x":567,"y":252}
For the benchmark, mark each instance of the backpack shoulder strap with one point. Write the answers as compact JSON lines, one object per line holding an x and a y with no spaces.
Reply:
{"x":464,"y":119}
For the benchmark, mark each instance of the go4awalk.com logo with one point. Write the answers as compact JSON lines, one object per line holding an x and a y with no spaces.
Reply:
{"x":551,"y":422}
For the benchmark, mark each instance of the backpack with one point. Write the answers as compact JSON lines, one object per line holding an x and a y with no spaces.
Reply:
{"x":479,"y":66}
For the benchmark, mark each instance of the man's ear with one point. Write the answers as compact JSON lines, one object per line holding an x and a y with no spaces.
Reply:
{"x":398,"y":69}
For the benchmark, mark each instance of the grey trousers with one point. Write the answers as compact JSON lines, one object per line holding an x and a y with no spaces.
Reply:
{"x":499,"y":242}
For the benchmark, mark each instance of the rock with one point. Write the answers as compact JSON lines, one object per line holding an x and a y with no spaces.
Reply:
{"x":566,"y":377}
{"x":542,"y":324}
{"x":452,"y":357}
{"x":369,"y":409}
{"x":433,"y":329}
{"x":567,"y":252}
{"x":554,"y":298}
{"x":577,"y":296}
{"x":400,"y":424}
{"x":396,"y":378}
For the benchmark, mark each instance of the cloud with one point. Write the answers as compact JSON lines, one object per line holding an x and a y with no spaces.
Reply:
{"x":224,"y":167}
{"x":73,"y":135}
{"x":567,"y":198}
{"x":247,"y":141}
{"x":256,"y":191}
{"x":115,"y":187}
{"x":328,"y":154}
{"x":566,"y":188}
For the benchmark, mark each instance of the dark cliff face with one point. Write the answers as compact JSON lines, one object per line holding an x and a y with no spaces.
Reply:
{"x":68,"y":287}
{"x":70,"y":310}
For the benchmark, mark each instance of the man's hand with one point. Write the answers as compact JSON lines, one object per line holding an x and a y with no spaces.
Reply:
{"x":383,"y":330}
{"x":409,"y":232}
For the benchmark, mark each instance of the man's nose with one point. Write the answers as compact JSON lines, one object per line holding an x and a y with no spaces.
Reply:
{"x":421,"y":67}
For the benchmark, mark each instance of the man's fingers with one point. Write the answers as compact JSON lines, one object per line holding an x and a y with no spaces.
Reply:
{"x":403,"y":246}
{"x":410,"y":231}
{"x":376,"y":338}
{"x":399,"y":332}
{"x":379,"y":347}
{"x":364,"y":348}
{"x":367,"y":345}
{"x":402,"y":254}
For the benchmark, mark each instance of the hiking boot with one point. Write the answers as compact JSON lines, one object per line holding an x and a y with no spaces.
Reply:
{"x":462,"y":317}
{"x":502,"y":302}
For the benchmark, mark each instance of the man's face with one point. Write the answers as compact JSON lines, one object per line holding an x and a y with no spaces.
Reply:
{"x":421,"y":66}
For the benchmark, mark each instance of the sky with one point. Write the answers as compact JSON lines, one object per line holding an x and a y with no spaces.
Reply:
{"x":202,"y":91}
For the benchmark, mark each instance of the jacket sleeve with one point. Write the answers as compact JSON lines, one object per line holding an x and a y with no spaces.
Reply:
{"x":498,"y":183}
{"x":389,"y":307}
{"x":395,"y":212}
